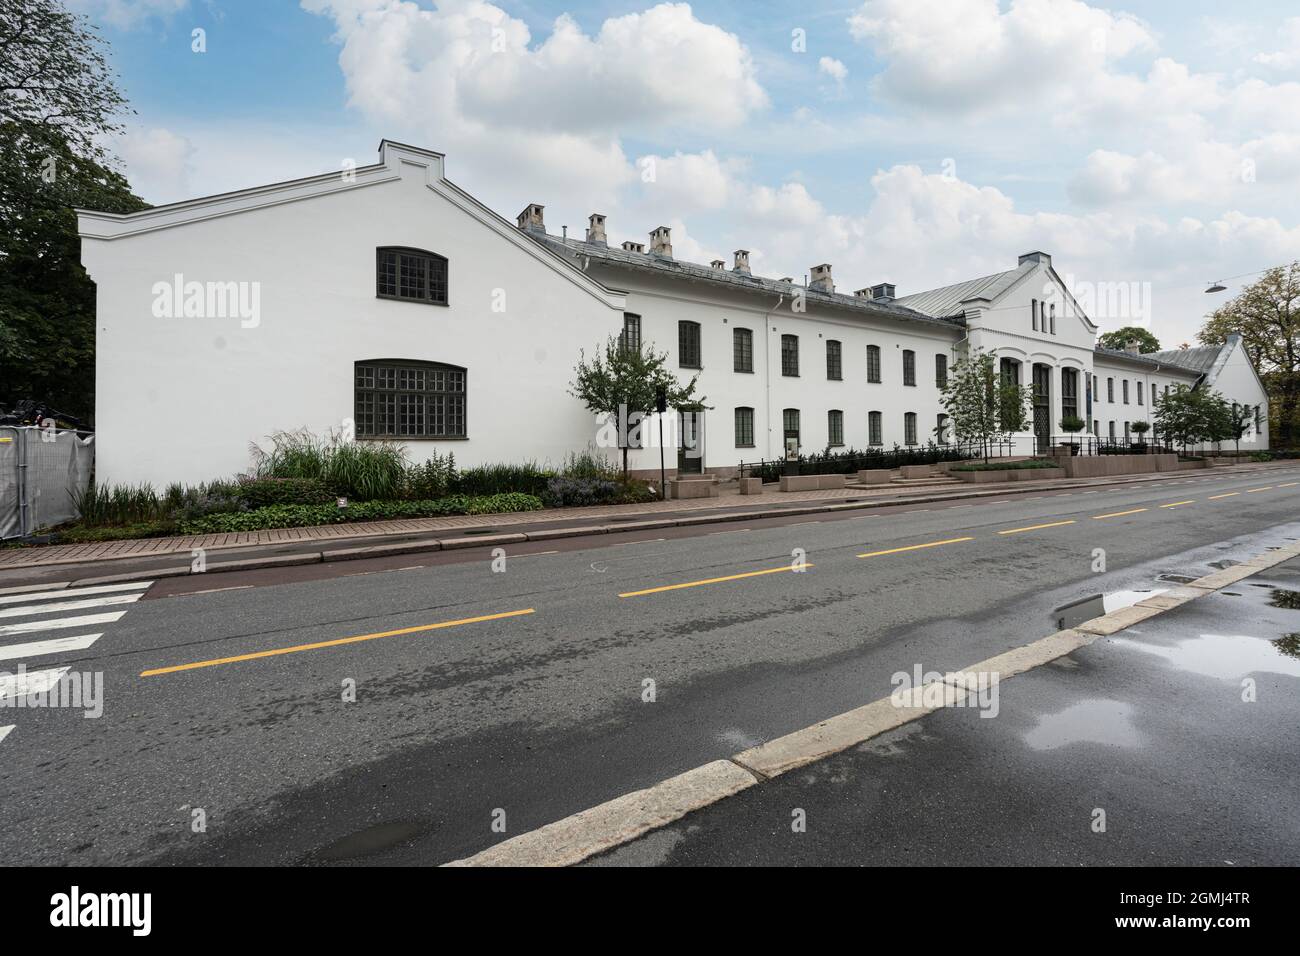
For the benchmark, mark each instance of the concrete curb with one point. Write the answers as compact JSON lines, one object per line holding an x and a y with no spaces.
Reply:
{"x":546,"y":534}
{"x":623,"y":819}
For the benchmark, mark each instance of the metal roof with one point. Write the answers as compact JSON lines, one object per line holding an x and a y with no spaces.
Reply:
{"x":947,"y":300}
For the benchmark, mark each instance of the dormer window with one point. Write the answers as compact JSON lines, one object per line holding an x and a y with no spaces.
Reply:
{"x":412,"y":275}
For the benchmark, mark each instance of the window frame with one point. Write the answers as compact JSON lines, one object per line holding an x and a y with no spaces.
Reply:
{"x":736,"y":425}
{"x":630,"y":320}
{"x":739,"y":335}
{"x":874,"y":376}
{"x":788,"y":338}
{"x":875,"y":429}
{"x":375,"y":390}
{"x":910,"y":436}
{"x":685,"y":328}
{"x":909,"y":368}
{"x":835,"y":372}
{"x":940,"y":370}
{"x":431,"y":259}
{"x":835,"y":423}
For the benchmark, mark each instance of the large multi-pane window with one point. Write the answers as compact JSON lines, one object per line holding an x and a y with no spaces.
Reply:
{"x":744,"y":428}
{"x":873,"y":363}
{"x":835,"y":427}
{"x":789,"y":355}
{"x":909,"y":428}
{"x":409,"y":399}
{"x":742,"y":350}
{"x":688,"y":344}
{"x":941,"y":370}
{"x":631,"y":338}
{"x":875,"y":429}
{"x":410,"y":274}
{"x":909,"y":367}
{"x":834,"y":365}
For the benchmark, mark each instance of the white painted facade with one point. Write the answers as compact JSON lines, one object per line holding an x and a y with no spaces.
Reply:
{"x":180,"y":398}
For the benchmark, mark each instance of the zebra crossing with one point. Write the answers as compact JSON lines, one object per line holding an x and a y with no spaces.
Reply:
{"x":32,"y":626}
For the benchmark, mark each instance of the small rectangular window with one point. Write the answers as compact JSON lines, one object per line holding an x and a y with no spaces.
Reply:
{"x":744,"y":428}
{"x":873,"y":364}
{"x":1053,"y":318}
{"x":688,"y":344}
{"x":631,"y":338}
{"x":834,"y":367}
{"x":1141,"y":394}
{"x":1110,"y":390}
{"x":410,"y":274}
{"x":790,"y":355}
{"x":909,"y":428}
{"x":875,"y":429}
{"x":1033,"y":308}
{"x":790,"y":423}
{"x":742,"y":350}
{"x":941,"y":370}
{"x":835,"y":427}
{"x":909,"y":367}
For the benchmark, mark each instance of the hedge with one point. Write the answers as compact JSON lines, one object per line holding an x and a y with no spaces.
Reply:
{"x":301,"y":516}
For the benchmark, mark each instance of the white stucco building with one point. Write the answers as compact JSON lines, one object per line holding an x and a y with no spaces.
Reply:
{"x":388,"y":300}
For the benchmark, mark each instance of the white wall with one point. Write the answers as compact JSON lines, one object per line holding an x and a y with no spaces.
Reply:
{"x":179,"y":399}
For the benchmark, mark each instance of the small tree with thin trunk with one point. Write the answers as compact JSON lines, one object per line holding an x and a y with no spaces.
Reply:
{"x":1239,"y":420}
{"x":983,"y":407}
{"x":622,"y":379}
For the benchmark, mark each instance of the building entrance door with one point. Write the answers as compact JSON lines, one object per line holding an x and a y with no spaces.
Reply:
{"x":1042,"y":408}
{"x":690,"y":442}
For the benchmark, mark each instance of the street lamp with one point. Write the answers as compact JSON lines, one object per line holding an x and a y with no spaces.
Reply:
{"x":1216,"y":287}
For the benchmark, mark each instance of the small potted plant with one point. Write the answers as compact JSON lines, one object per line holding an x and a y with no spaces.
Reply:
{"x":1139,"y":444}
{"x":1072,"y":425}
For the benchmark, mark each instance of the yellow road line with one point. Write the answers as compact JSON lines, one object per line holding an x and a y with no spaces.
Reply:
{"x":914,"y":547}
{"x":1119,"y":514}
{"x":334,"y":643}
{"x":1176,"y":504}
{"x":1035,"y":527}
{"x":696,"y":584}
{"x":1289,"y":484}
{"x":1230,"y":494}
{"x":1251,"y":491}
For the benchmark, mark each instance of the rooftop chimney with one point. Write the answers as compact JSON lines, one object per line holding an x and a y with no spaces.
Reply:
{"x":1132,"y":347}
{"x":863,"y":293}
{"x":531,"y":218}
{"x":633,"y":247}
{"x":1042,"y":257}
{"x":821,"y":278}
{"x":742,"y":262}
{"x":882,"y":291}
{"x":787,"y":278}
{"x":718,"y":264}
{"x":661,"y":242}
{"x":596,"y":228}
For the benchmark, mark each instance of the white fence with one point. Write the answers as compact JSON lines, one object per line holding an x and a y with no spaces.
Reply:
{"x":41,"y":473}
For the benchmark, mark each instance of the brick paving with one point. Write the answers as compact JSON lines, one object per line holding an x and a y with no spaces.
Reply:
{"x":729,"y":497}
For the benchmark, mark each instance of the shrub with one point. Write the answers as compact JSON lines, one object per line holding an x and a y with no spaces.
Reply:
{"x":566,"y":492}
{"x":1006,"y":466}
{"x":117,"y":504}
{"x":501,"y":479}
{"x":301,"y":516}
{"x":430,"y":479}
{"x":366,"y":471}
{"x":260,"y":492}
{"x":589,"y":464}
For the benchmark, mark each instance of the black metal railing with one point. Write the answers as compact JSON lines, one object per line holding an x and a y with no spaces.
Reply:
{"x":1083,"y":443}
{"x":852,"y":460}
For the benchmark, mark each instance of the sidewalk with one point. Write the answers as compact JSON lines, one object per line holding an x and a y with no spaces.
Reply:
{"x":565,"y":522}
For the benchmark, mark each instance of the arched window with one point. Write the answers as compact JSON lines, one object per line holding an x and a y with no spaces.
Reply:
{"x":412,"y":275}
{"x":402,"y":398}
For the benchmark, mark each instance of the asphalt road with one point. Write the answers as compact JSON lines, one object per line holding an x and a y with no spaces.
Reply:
{"x":529,"y":717}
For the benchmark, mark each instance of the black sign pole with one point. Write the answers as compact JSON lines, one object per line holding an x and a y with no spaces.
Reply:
{"x":661,"y":406}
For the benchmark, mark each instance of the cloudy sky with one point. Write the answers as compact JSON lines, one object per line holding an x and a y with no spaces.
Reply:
{"x":918,"y":142}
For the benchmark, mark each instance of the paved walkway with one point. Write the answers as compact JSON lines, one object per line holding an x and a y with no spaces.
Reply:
{"x":729,"y":499}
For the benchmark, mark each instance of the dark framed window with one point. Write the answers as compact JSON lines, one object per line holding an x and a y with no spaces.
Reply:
{"x":688,"y":344}
{"x":790,"y":423}
{"x":909,"y":428}
{"x":835,"y":427}
{"x":399,"y":398}
{"x":1069,"y":393}
{"x":790,"y":355}
{"x":631,"y":337}
{"x":744,"y":428}
{"x":1010,"y":371}
{"x":941,"y":429}
{"x":1141,"y":394}
{"x":1053,"y":317}
{"x":412,"y":275}
{"x":1033,"y":308}
{"x":834,"y":363}
{"x":1123,"y":387}
{"x":873,"y":364}
{"x":909,"y":367}
{"x":1154,"y":397}
{"x":742,"y":350}
{"x":941,"y":371}
{"x":875,"y":428}
{"x":1110,"y":391}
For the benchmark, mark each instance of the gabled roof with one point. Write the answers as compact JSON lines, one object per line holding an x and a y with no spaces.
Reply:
{"x":1199,"y":359}
{"x":726,"y":278}
{"x":947,"y":300}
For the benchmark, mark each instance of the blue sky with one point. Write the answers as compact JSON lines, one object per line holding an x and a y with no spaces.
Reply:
{"x":913,"y":141}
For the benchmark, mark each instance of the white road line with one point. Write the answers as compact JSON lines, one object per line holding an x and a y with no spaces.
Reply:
{"x":69,"y":605}
{"x":4,"y":731}
{"x":74,"y":592}
{"x":30,"y":588}
{"x":85,"y":620}
{"x":57,"y":645}
{"x":31,"y":682}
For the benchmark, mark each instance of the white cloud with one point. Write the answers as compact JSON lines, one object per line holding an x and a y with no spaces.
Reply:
{"x":1288,"y":56}
{"x":158,"y":163}
{"x":833,"y":68}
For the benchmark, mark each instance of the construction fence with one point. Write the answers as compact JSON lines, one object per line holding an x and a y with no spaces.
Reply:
{"x":42,"y":471}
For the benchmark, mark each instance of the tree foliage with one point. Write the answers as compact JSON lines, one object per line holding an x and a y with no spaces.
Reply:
{"x":982,"y":406}
{"x":621,"y":380}
{"x":1189,"y":416}
{"x":1120,"y":338}
{"x":1267,"y":316}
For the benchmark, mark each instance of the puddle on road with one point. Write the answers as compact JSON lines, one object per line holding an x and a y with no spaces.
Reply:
{"x":1281,"y":597}
{"x":373,"y":839}
{"x":1087,"y":722}
{"x":1074,"y":614}
{"x":1225,"y":656}
{"x":1288,"y":644}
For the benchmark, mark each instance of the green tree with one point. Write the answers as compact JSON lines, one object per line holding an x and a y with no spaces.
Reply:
{"x":981,"y":406}
{"x":1238,"y":422}
{"x":1190,"y":416}
{"x":1120,"y":338}
{"x":1267,"y":317}
{"x":620,"y":381}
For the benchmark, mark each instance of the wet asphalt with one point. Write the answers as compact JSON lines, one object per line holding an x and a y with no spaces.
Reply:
{"x":533,"y":717}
